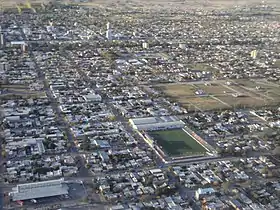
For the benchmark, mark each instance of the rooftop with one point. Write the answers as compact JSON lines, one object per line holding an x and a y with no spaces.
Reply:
{"x":39,"y":190}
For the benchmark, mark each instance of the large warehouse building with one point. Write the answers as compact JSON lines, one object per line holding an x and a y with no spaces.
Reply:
{"x":36,"y":190}
{"x":156,"y":123}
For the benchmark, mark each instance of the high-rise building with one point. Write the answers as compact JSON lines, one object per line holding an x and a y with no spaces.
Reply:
{"x":109,"y":32}
{"x":145,"y":45}
{"x":2,"y":40}
{"x":109,"y":35}
{"x":108,"y":26}
{"x":23,"y":48}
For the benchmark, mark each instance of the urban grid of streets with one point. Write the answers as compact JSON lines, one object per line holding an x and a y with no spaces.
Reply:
{"x":176,"y":37}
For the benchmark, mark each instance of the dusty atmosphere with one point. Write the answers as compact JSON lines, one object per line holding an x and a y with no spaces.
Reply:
{"x":206,"y":4}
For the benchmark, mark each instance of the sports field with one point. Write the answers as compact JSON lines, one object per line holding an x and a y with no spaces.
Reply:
{"x":176,"y":142}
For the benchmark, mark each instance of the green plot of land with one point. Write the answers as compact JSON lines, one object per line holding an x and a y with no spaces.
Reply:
{"x":177,"y":142}
{"x":202,"y":67}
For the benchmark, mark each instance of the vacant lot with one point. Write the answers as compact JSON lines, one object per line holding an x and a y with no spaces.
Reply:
{"x":203,"y":103}
{"x":260,"y":89}
{"x":178,"y":91}
{"x":214,"y":89}
{"x":177,"y":142}
{"x":219,"y":95}
{"x":243,"y":101}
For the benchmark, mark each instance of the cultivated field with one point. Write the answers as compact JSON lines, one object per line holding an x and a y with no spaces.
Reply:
{"x":224,"y":95}
{"x":176,"y":142}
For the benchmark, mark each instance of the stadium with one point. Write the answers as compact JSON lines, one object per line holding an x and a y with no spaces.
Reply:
{"x":170,"y":138}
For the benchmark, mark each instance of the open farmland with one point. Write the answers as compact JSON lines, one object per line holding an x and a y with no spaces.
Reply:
{"x":176,"y":142}
{"x":224,"y":95}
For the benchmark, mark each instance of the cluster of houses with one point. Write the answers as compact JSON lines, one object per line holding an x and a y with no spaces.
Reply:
{"x":232,"y":184}
{"x":117,"y":160}
{"x":31,"y":130}
{"x":74,"y":83}
{"x":40,"y":169}
{"x":232,"y":131}
{"x":271,"y":116}
{"x":135,"y":187}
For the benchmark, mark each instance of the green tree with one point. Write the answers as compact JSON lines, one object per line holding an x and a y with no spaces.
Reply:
{"x":225,"y":186}
{"x":85,"y":145}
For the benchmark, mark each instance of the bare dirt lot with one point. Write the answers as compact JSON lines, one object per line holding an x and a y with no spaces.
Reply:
{"x":243,"y":101}
{"x":202,"y":103}
{"x":178,"y":90}
{"x":220,"y":95}
{"x":214,"y":89}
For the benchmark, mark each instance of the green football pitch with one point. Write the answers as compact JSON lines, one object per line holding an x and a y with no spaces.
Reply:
{"x":177,"y":142}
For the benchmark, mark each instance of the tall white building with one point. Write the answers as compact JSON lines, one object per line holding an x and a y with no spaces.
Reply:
{"x":109,"y":35}
{"x":109,"y":32}
{"x":2,"y":39}
{"x":145,"y":45}
{"x":108,"y":26}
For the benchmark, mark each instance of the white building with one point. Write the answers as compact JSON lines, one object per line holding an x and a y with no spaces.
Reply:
{"x":36,"y":145}
{"x":109,"y":32}
{"x":92,"y":98}
{"x":35,"y":190}
{"x":156,"y":123}
{"x":202,"y":192}
{"x":182,"y":46}
{"x":108,"y":26}
{"x":2,"y":40}
{"x":23,"y":45}
{"x":145,"y":45}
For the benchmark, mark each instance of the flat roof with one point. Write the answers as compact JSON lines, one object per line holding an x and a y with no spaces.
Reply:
{"x":163,"y":125}
{"x":154,"y":120}
{"x":39,"y":190}
{"x":18,"y":42}
{"x":145,"y":120}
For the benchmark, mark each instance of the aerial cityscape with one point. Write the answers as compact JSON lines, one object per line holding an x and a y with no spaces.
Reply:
{"x":140,"y":105}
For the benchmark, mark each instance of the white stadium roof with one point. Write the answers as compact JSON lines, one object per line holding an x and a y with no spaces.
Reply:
{"x":156,"y":123}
